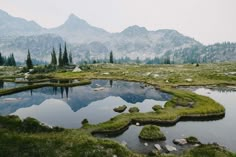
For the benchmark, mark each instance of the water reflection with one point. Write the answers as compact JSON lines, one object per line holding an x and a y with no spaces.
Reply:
{"x":90,"y":101}
{"x":220,"y":131}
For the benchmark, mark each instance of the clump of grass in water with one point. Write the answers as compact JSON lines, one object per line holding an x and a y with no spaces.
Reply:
{"x":151,"y":132}
{"x":120,"y":109}
{"x":133,"y":109}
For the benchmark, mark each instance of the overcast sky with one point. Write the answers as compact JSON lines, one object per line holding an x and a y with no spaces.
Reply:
{"x":208,"y":21}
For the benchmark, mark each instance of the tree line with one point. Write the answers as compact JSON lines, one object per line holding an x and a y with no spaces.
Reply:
{"x":7,"y":61}
{"x":63,"y":58}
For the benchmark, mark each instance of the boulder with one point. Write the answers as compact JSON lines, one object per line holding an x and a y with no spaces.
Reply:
{"x":180,"y":141}
{"x":170,"y":148}
{"x":158,"y":147}
{"x":146,"y":144}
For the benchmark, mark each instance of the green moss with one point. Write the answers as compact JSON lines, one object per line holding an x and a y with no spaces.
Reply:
{"x":79,"y":142}
{"x":28,"y":125}
{"x":209,"y":150}
{"x":133,"y":109}
{"x":151,"y":132}
{"x":157,"y":108}
{"x":192,"y":140}
{"x":84,"y":121}
{"x":120,"y":109}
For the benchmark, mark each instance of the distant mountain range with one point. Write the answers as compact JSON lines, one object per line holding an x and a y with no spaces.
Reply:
{"x":89,"y":42}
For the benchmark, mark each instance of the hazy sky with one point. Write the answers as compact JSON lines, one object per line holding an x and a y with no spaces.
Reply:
{"x":208,"y":21}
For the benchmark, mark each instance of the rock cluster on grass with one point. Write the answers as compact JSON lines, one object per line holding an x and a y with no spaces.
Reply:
{"x":151,"y":132}
{"x":133,"y":109}
{"x":120,"y":109}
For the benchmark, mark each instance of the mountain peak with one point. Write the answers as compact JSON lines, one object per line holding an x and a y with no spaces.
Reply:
{"x":73,"y":16}
{"x":135,"y":30}
{"x":74,"y":22}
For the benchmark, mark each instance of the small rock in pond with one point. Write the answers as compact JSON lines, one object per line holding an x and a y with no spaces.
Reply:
{"x":180,"y":141}
{"x":157,"y":146}
{"x":196,"y":145}
{"x":170,"y":148}
{"x":137,"y":124}
{"x":146,"y":144}
{"x":114,"y":156}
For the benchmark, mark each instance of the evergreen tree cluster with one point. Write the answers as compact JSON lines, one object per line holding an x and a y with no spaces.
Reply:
{"x":7,"y":61}
{"x":63,"y":58}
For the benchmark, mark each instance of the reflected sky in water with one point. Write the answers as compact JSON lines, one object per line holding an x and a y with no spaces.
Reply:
{"x":67,"y":107}
{"x":220,"y":131}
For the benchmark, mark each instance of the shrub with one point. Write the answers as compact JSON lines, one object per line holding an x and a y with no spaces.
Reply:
{"x":120,"y":109}
{"x":151,"y":132}
{"x":157,"y":108}
{"x":133,"y":109}
{"x":192,"y":140}
{"x":85,"y":121}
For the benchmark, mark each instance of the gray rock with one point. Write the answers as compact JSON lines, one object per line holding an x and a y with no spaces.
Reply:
{"x":170,"y":148}
{"x":180,"y":141}
{"x":158,"y":147}
{"x":146,"y":144}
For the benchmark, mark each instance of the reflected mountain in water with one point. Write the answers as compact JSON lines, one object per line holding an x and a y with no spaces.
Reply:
{"x":79,"y":97}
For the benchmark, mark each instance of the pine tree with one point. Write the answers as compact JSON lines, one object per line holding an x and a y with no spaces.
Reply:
{"x":65,"y":56}
{"x":60,"y":61}
{"x":12,"y":60}
{"x":1,"y":59}
{"x":29,"y":63}
{"x":54,"y":57}
{"x":111,"y":57}
{"x":70,"y":58}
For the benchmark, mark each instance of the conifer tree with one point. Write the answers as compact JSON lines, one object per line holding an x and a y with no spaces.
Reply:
{"x":65,"y":56}
{"x":70,"y":58}
{"x":12,"y":60}
{"x":111,"y":57}
{"x":60,"y":60}
{"x":1,"y":59}
{"x":29,"y":63}
{"x":54,"y":57}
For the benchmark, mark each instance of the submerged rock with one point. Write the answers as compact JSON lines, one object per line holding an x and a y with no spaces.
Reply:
{"x":146,"y":144}
{"x":180,"y":141}
{"x":170,"y":148}
{"x":99,"y":89}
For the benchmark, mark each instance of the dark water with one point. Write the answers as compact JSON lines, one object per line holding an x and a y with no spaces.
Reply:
{"x":67,"y":107}
{"x":220,"y":131}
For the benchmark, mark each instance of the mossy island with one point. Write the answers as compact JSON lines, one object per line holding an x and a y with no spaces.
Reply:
{"x":133,"y":109}
{"x":152,"y":132}
{"x":157,"y":108}
{"x":120,"y":109}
